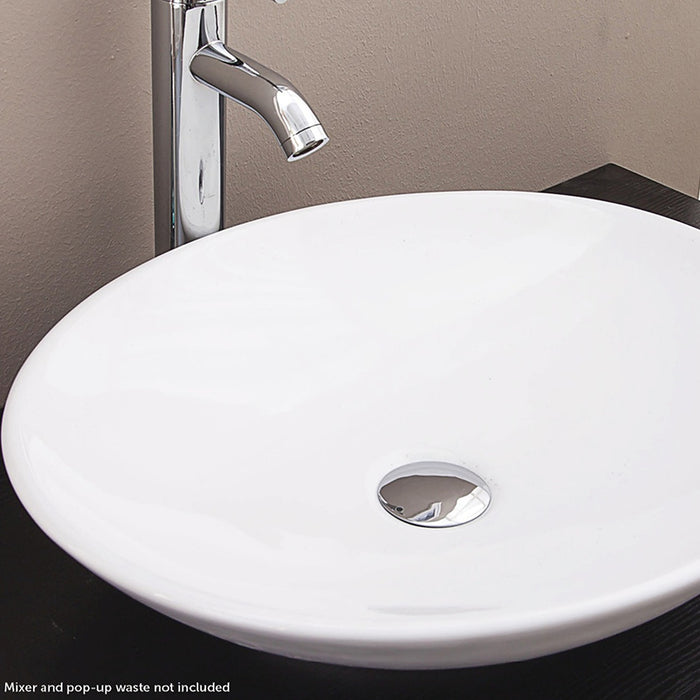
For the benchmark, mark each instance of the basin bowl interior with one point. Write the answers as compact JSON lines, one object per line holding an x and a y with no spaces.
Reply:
{"x":209,"y":431}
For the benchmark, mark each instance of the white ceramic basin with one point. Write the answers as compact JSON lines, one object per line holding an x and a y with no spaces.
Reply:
{"x":209,"y":431}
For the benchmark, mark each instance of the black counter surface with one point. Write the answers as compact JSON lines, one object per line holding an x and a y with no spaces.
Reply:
{"x":61,"y":624}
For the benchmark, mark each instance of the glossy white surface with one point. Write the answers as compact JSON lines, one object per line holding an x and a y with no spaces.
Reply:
{"x":208,"y":431}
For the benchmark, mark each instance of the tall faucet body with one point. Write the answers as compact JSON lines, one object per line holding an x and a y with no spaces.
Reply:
{"x":193,"y":74}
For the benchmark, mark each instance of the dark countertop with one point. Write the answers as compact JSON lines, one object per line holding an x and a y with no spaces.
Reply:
{"x":60,"y":623}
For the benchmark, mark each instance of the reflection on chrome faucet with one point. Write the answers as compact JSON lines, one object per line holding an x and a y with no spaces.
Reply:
{"x":193,"y":73}
{"x":267,"y":93}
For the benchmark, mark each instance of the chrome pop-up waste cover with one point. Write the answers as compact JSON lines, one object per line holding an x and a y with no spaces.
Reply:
{"x":433,"y":494}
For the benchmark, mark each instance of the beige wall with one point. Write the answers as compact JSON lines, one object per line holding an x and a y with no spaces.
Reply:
{"x":653,"y":104}
{"x":455,"y":94}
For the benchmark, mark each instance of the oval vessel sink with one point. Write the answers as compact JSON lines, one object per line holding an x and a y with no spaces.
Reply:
{"x":211,"y":432}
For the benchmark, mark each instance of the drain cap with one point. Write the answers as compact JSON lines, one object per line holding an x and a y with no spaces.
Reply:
{"x":433,"y":494}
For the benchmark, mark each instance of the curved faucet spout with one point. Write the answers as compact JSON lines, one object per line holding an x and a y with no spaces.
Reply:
{"x":265,"y":92}
{"x":193,"y":74}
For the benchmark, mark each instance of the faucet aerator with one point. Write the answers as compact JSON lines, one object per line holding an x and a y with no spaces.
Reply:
{"x":305,"y":142}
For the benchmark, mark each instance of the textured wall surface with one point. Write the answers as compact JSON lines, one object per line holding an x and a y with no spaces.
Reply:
{"x":460,"y":94}
{"x":75,"y":140}
{"x":653,"y":106}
